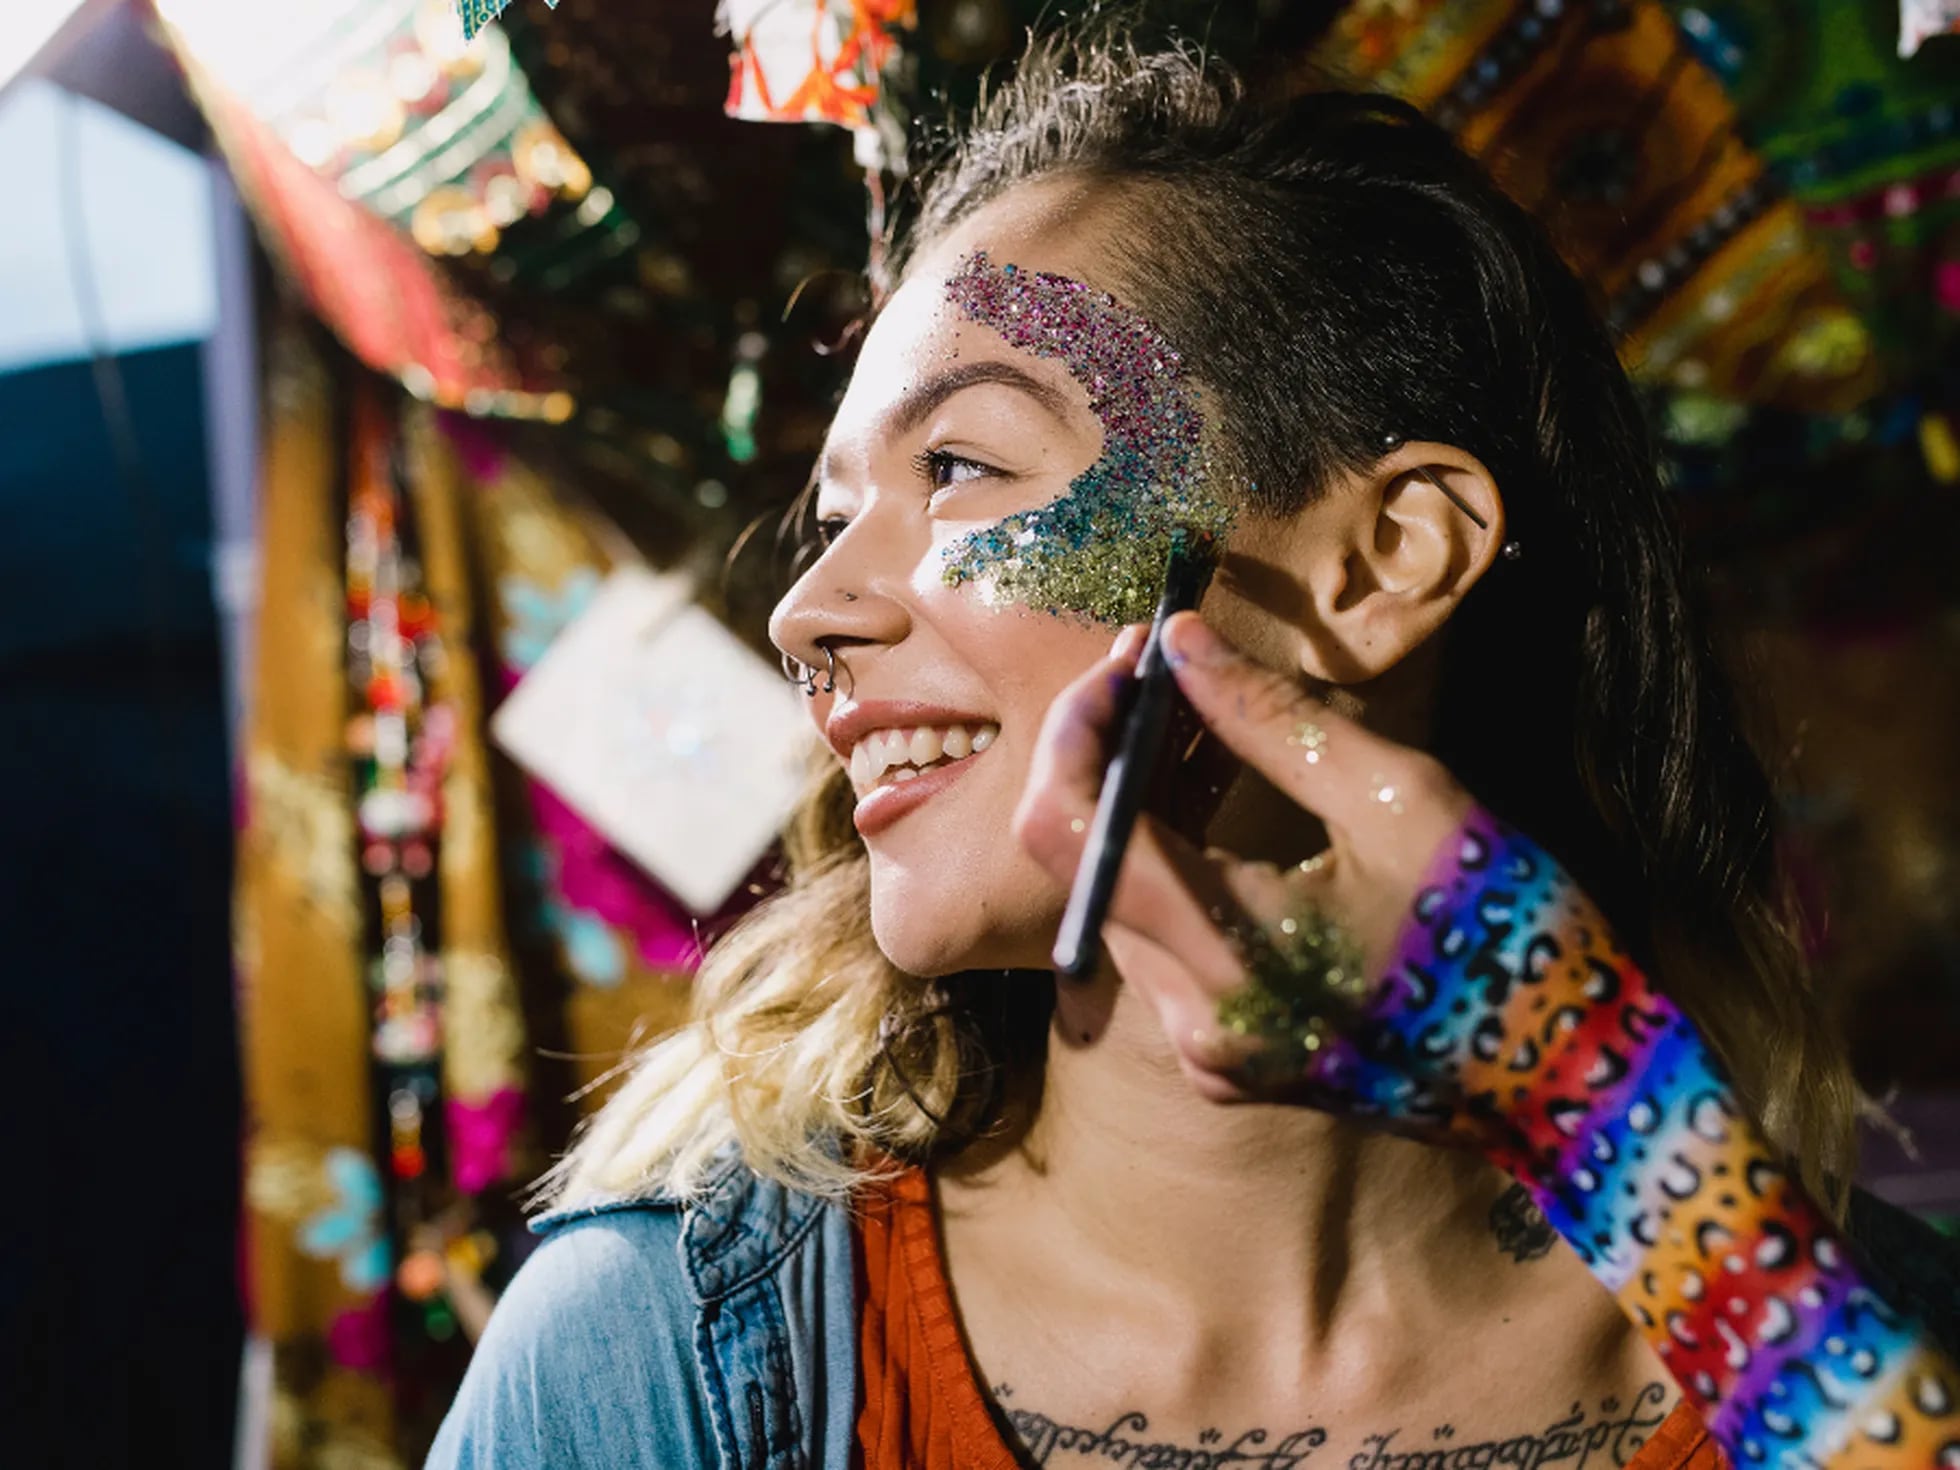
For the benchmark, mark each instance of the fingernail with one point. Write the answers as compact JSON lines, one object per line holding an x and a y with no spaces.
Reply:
{"x":1189,"y":640}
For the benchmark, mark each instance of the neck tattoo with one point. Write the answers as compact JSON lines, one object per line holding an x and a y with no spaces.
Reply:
{"x":1099,"y":551}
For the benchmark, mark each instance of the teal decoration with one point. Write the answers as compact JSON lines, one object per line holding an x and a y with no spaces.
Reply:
{"x":476,"y":14}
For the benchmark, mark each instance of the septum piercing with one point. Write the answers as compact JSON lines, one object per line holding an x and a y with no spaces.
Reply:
{"x":798,"y":672}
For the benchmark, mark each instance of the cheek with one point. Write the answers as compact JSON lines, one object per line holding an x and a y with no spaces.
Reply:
{"x":956,"y":891}
{"x":1024,"y":657}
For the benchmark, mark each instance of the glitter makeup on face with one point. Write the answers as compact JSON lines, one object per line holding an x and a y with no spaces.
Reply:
{"x":1099,"y":550}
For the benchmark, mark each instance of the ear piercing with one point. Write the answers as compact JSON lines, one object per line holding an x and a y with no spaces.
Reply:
{"x":1510,"y":551}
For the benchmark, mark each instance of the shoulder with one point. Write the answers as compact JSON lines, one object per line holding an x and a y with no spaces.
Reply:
{"x":593,"y":1354}
{"x":588,"y":1356}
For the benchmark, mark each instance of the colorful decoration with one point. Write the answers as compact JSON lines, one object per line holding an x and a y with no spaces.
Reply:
{"x":811,"y":60}
{"x":385,"y":1054}
{"x":660,"y":728}
{"x":1099,"y":551}
{"x":373,"y":138}
{"x":399,"y":742}
{"x":474,"y":15}
{"x":351,"y":1231}
{"x":1921,"y":20}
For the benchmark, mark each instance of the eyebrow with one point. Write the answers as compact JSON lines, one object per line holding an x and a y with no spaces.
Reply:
{"x":918,"y":404}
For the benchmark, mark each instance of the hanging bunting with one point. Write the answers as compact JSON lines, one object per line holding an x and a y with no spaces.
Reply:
{"x":812,"y":60}
{"x":1921,"y":20}
{"x":372,"y":140}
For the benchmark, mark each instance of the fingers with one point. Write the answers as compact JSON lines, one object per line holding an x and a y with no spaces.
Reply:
{"x":1166,"y":890}
{"x":1340,"y":771}
{"x":1188,"y":1014}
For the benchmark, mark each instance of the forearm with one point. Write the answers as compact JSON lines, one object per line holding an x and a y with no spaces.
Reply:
{"x":1557,"y":1058}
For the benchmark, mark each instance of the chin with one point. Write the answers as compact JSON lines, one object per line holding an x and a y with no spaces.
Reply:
{"x":931,"y":929}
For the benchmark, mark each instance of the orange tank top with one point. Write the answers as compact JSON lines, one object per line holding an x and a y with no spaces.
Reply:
{"x":920,"y":1405}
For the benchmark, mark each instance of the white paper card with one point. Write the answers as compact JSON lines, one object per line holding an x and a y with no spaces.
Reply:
{"x":659,"y":727}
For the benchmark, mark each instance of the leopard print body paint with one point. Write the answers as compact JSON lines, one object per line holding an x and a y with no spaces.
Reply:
{"x":1511,"y":1019}
{"x":1099,"y":550}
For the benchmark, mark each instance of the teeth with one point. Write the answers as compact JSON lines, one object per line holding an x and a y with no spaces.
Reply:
{"x":905,"y":754}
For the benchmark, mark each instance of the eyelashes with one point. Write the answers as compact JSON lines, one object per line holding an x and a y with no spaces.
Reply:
{"x":942,"y":469}
{"x":939,"y":469}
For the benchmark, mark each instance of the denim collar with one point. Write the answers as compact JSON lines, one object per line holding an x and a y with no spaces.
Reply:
{"x":738,"y":1228}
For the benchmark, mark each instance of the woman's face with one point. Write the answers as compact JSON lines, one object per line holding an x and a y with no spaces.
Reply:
{"x":998,"y":381}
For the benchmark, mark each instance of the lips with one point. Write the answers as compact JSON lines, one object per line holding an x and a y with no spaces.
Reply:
{"x":903,"y":753}
{"x":885,"y":803}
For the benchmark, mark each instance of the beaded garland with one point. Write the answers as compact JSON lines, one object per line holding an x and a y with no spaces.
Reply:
{"x":1511,"y":1019}
{"x":1099,"y":551}
{"x":400,"y":742}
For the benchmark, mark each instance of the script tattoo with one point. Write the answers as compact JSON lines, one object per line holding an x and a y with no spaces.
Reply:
{"x":1608,"y":1439}
{"x":1522,"y":1231}
{"x":1572,"y":1442}
{"x":1126,"y":1442}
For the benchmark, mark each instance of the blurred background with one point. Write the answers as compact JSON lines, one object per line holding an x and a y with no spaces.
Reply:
{"x":346,"y":364}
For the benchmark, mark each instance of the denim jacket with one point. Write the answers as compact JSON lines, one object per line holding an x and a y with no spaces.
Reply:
{"x":643,"y":1333}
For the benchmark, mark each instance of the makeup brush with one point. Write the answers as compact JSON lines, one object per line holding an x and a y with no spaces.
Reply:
{"x":1144,"y":717}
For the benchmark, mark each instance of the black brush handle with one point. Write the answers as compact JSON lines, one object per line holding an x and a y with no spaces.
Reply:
{"x":1149,"y":699}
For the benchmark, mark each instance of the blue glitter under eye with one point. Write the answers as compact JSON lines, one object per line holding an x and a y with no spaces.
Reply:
{"x":1099,"y":550}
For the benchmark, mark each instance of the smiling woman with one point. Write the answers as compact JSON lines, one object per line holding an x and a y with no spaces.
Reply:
{"x":1254,"y":1193}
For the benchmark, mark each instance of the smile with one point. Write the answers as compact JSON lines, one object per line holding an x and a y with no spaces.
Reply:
{"x":897,"y":770}
{"x":890,"y":756}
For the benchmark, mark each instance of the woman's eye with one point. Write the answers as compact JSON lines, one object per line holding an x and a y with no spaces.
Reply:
{"x":830,"y":528}
{"x":943,"y":469}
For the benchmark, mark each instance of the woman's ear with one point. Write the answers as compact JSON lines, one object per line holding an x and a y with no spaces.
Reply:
{"x":1380,"y":561}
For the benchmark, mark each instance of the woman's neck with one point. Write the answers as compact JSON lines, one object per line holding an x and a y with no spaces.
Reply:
{"x":1250,"y":1223}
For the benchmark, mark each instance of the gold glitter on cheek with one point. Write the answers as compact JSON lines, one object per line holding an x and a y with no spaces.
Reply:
{"x":1310,"y":738}
{"x":1078,"y":825}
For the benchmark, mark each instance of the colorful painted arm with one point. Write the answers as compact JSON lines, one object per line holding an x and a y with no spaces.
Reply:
{"x":1553,"y":1052}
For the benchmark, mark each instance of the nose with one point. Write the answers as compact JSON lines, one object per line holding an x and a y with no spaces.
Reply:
{"x":839,"y":604}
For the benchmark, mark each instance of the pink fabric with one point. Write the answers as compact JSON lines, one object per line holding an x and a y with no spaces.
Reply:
{"x":358,"y":1338}
{"x":480,"y":1137}
{"x":595,"y":879}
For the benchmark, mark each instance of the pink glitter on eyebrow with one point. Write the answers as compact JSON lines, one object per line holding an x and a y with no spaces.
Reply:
{"x":1099,"y":550}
